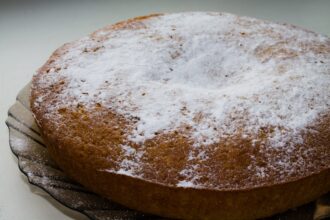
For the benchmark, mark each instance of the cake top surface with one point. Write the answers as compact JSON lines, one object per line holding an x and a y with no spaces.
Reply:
{"x":210,"y":77}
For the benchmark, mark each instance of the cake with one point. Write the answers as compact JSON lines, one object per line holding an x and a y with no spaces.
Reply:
{"x":195,"y":115}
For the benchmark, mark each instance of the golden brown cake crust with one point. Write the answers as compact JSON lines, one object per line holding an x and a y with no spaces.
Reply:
{"x":87,"y":143}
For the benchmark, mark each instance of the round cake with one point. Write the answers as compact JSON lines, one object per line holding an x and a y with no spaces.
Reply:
{"x":194,"y":115}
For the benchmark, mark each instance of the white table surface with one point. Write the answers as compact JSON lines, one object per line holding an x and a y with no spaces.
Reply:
{"x":31,"y":30}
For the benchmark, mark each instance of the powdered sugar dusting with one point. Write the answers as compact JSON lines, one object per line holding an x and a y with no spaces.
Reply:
{"x":217,"y":73}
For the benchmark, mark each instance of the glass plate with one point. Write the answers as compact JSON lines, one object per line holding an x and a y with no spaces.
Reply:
{"x":41,"y":171}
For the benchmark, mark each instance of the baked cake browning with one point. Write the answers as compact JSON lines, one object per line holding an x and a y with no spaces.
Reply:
{"x":198,"y":101}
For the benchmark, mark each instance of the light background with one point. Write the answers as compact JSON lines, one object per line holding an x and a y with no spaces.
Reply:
{"x":31,"y":30}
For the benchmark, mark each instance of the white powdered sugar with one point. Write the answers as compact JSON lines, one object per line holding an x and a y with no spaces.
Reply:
{"x":217,"y":73}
